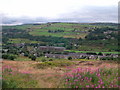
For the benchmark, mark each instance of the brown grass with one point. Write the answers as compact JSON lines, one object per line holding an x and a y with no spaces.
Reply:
{"x":51,"y":77}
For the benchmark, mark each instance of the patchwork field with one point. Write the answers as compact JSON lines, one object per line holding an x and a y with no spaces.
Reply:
{"x":67,"y":30}
{"x":73,"y":36}
{"x":61,"y":30}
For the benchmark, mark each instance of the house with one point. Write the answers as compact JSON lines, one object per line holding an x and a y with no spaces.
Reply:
{"x":56,"y":56}
{"x":115,"y":55}
{"x":5,"y":50}
{"x":80,"y":56}
{"x":93,"y":56}
{"x":19,"y":44}
{"x":72,"y":55}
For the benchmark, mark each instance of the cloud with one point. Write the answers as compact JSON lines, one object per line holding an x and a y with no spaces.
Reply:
{"x":59,"y":10}
{"x":93,"y":14}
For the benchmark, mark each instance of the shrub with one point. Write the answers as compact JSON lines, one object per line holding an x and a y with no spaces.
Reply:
{"x":11,"y":57}
{"x":54,"y":64}
{"x":50,"y":59}
{"x":110,"y":58}
{"x":9,"y":84}
{"x":33,"y":58}
{"x":43,"y":60}
{"x":5,"y":56}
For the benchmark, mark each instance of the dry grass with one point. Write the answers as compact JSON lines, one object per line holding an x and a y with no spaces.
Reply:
{"x":51,"y":77}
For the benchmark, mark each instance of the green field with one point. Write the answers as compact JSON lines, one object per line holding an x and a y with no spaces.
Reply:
{"x":20,"y":40}
{"x":81,"y":30}
{"x":42,"y":30}
{"x":72,"y":36}
{"x":68,"y":31}
{"x":92,"y":52}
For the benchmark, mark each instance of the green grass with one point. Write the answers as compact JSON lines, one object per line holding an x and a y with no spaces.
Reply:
{"x":104,"y":46}
{"x":20,"y":40}
{"x":60,"y":34}
{"x":68,"y":28}
{"x":40,"y":30}
{"x":92,"y":52}
{"x":22,"y":58}
{"x":42,"y":58}
{"x":56,"y":63}
{"x":15,"y":79}
{"x":46,"y":34}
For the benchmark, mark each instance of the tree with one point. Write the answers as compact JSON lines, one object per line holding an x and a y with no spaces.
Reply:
{"x":50,"y":59}
{"x":5,"y":56}
{"x":33,"y":58}
{"x":26,"y":53}
{"x":43,"y":60}
{"x":69,"y":58}
{"x":8,"y":56}
{"x":11,"y":57}
{"x":100,"y":53}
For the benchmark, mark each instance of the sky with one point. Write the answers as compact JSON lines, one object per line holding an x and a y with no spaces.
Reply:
{"x":25,"y":11}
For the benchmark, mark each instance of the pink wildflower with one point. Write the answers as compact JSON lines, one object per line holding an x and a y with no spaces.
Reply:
{"x":90,"y":78}
{"x":98,"y":86}
{"x":92,"y":85}
{"x":100,"y":79}
{"x":91,"y":72}
{"x":101,"y":83}
{"x":75,"y":80}
{"x":86,"y":78}
{"x":76,"y":86}
{"x":87,"y":86}
{"x":103,"y":86}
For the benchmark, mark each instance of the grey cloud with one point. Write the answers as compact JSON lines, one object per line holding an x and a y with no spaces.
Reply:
{"x":87,"y":14}
{"x":93,"y":14}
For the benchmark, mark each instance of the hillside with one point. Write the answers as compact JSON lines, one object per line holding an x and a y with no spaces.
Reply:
{"x":73,"y":36}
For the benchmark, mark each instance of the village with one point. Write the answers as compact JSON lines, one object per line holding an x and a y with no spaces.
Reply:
{"x":72,"y":55}
{"x":59,"y":53}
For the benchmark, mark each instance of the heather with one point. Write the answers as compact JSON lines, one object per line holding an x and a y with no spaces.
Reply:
{"x":92,"y":78}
